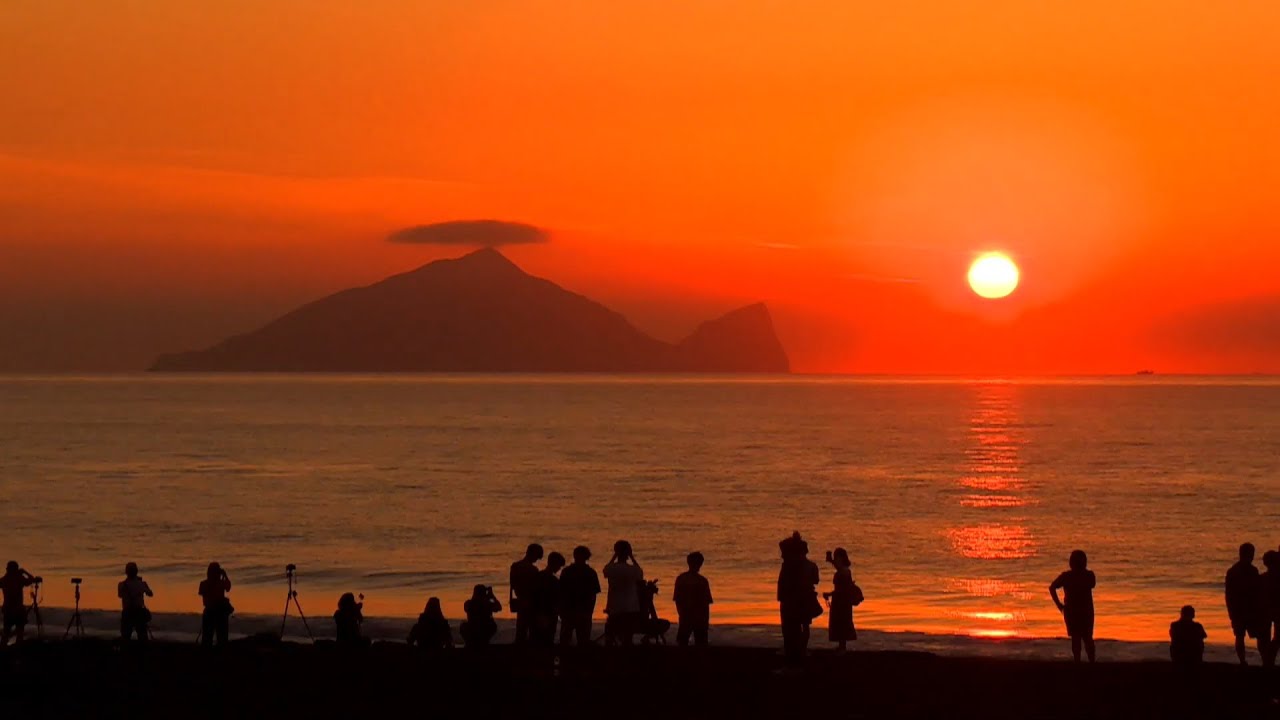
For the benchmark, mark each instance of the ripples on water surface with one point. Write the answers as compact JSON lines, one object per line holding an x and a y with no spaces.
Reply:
{"x":958,"y":500}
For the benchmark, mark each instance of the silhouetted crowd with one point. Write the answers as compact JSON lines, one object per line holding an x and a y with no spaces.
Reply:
{"x":558,"y":600}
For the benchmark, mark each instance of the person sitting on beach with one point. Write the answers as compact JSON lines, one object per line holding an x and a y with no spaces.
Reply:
{"x":546,"y":602}
{"x":1077,"y":585}
{"x":133,"y":592}
{"x":622,"y":605}
{"x":347,"y":619}
{"x":844,"y":595}
{"x":217,"y":608}
{"x":480,"y":627}
{"x":1270,"y":606}
{"x":432,"y":631}
{"x":652,"y":627}
{"x":524,"y":582}
{"x":14,"y":585}
{"x":1244,"y":603}
{"x":693,"y":601}
{"x":1186,"y":638}
{"x":797,"y":597}
{"x":579,"y":586}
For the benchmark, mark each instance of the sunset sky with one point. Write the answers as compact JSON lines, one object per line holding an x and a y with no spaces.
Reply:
{"x":174,"y":171}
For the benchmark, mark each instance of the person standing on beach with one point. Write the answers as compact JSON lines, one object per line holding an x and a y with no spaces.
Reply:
{"x":1270,"y":607}
{"x":546,"y":602}
{"x":693,"y":601}
{"x":1244,"y":603}
{"x":622,"y":604}
{"x":133,"y":592}
{"x":579,"y":586}
{"x":797,"y":597}
{"x":14,"y":584}
{"x":217,"y":608}
{"x":523,"y":583}
{"x":1077,"y":585}
{"x":843,"y":596}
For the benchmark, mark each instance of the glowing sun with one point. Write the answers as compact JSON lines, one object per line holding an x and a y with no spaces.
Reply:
{"x":993,"y":275}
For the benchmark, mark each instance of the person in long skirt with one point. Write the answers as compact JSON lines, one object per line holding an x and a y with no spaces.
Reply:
{"x":843,"y":597}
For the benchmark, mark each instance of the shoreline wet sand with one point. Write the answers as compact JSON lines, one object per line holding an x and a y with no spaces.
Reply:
{"x":257,"y":677}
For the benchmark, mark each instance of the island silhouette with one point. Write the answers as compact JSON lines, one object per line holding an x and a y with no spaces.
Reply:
{"x":481,"y":313}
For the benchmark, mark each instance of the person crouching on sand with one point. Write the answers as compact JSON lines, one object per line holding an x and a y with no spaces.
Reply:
{"x":480,"y":627}
{"x":1077,"y":608}
{"x":347,"y":619}
{"x":432,"y":631}
{"x":1186,"y":638}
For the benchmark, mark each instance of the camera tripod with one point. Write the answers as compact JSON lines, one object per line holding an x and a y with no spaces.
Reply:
{"x":35,"y":608}
{"x":292,"y":597}
{"x":75,"y":617}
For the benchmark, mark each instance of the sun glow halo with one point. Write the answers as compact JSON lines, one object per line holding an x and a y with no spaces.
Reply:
{"x":993,"y":275}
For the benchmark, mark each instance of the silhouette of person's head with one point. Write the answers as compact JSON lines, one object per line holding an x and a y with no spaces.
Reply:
{"x":555,"y":561}
{"x":12,"y":567}
{"x":433,"y":609}
{"x":347,"y":602}
{"x":695,"y":561}
{"x":131,"y":570}
{"x":794,"y":547}
{"x":622,"y":549}
{"x":1247,"y":552}
{"x":215,"y":571}
{"x":840,"y":558}
{"x":480,"y":593}
{"x":533,"y":553}
{"x":581,"y":554}
{"x":1271,"y":560}
{"x":1188,"y":613}
{"x":1078,"y":561}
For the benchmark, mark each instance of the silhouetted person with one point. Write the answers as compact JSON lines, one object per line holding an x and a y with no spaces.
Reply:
{"x":347,"y":620}
{"x":1245,"y":603}
{"x":843,"y":596}
{"x":546,"y":602}
{"x":1270,"y":596}
{"x":1186,"y":638}
{"x":693,"y":601}
{"x":579,"y":586}
{"x":524,"y":582}
{"x":797,"y":597}
{"x":14,"y":584}
{"x":134,"y":615}
{"x":480,"y":627}
{"x":651,"y":626}
{"x":432,"y":631}
{"x":623,"y":601}
{"x":215,"y":620}
{"x":1077,"y":608}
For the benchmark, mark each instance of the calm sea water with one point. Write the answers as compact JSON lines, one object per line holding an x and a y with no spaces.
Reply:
{"x":958,"y":500}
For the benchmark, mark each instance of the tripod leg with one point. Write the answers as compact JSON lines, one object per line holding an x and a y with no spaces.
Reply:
{"x":285,"y":619}
{"x":304,"y":618}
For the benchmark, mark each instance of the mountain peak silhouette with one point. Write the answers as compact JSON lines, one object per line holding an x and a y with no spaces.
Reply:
{"x":480,"y":313}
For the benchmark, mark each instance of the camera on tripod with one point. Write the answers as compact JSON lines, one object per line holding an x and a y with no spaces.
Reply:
{"x":290,"y":568}
{"x":76,"y":581}
{"x":37,"y":580}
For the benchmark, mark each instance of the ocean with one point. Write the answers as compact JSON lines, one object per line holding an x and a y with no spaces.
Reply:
{"x":958,"y":500}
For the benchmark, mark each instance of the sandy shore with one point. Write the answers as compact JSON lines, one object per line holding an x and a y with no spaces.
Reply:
{"x":259,"y":678}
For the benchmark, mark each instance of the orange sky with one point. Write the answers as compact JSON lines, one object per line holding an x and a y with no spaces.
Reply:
{"x":174,"y":171}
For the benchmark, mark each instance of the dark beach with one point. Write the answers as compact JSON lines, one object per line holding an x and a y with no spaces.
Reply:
{"x":260,"y":678}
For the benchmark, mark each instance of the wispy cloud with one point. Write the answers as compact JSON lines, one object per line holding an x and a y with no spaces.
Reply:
{"x":490,"y":233}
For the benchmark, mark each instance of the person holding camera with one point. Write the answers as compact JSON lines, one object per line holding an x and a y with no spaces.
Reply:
{"x":347,"y":619}
{"x":480,"y":627}
{"x":844,"y":595}
{"x":133,"y":592}
{"x":14,"y":585}
{"x":622,"y":604}
{"x":217,"y":608}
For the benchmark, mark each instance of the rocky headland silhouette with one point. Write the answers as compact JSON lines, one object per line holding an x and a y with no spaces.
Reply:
{"x":481,"y":313}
